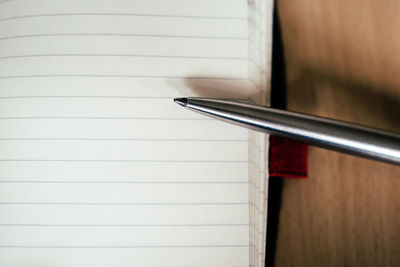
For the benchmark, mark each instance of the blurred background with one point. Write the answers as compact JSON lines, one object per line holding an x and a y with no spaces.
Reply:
{"x":342,"y":60}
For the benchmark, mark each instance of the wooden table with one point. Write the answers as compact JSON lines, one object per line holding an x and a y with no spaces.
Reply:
{"x":342,"y":61}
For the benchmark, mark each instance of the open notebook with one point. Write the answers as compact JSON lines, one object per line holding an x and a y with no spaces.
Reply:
{"x":98,"y":166}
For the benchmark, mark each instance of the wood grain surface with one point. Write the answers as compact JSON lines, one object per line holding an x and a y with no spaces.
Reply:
{"x":342,"y":61}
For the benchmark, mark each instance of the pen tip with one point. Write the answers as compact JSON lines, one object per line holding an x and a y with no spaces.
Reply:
{"x":181,"y":101}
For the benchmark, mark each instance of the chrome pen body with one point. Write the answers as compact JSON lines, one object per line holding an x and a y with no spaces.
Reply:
{"x":327,"y":133}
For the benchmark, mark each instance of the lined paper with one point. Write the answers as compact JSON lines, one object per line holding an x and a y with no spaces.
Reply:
{"x":98,"y":166}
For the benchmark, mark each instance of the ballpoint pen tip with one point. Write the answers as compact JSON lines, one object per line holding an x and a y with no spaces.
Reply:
{"x":181,"y":101}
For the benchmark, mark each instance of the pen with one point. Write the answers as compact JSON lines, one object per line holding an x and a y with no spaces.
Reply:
{"x":327,"y":133}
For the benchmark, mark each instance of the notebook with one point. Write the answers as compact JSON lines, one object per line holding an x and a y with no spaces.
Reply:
{"x":98,"y":166}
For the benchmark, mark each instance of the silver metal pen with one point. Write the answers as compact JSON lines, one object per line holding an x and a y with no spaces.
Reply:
{"x":327,"y":133}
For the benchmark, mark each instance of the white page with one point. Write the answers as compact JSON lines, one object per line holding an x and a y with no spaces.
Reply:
{"x":98,"y":167}
{"x":259,"y":57}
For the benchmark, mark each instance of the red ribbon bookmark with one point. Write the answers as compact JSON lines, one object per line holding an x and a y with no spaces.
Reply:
{"x":287,"y":158}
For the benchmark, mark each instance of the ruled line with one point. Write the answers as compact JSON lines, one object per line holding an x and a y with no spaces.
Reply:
{"x":125,"y":204}
{"x":124,"y":55}
{"x":149,"y":246}
{"x":122,"y":15}
{"x":126,"y":139}
{"x":122,"y":76}
{"x":107,"y":118}
{"x":91,"y":96}
{"x":123,"y":182}
{"x":123,"y":35}
{"x":124,"y":160}
{"x":169,"y":98}
{"x":127,"y":225}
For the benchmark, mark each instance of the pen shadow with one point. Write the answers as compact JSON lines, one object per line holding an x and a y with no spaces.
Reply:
{"x":320,"y":93}
{"x":197,"y":86}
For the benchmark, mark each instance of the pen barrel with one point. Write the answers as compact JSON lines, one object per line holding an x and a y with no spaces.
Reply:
{"x":327,"y":133}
